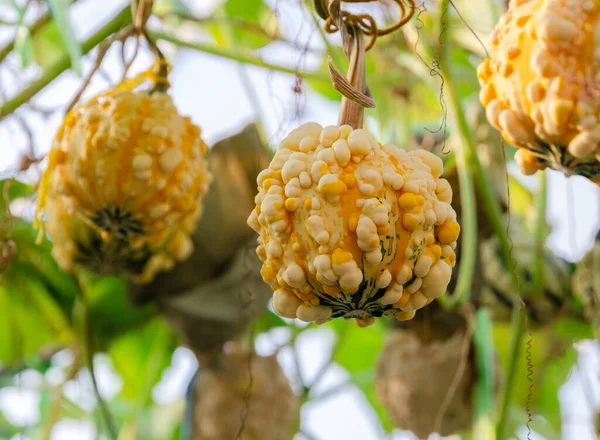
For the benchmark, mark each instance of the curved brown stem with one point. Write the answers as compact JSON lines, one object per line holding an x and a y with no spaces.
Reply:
{"x":352,"y":110}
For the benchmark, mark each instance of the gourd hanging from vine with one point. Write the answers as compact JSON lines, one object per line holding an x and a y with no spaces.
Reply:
{"x":349,"y":227}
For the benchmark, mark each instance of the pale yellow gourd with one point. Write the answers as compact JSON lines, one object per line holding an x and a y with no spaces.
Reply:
{"x":123,"y":189}
{"x":540,"y":85}
{"x":352,"y":228}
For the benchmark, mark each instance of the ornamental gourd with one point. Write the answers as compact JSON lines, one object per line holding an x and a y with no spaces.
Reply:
{"x":352,"y":228}
{"x":539,"y":85}
{"x":123,"y":189}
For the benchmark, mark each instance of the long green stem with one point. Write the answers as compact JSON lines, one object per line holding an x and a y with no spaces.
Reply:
{"x":484,"y":410}
{"x":516,"y":346}
{"x":64,"y":62}
{"x":248,"y":58}
{"x":464,"y":154}
{"x":539,"y":236}
{"x":518,"y":327}
{"x":83,"y":312}
{"x":492,"y":207}
{"x":236,"y":55}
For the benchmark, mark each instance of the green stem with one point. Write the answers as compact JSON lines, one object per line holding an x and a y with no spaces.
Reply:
{"x":539,"y":236}
{"x":464,"y":158}
{"x":484,"y":410}
{"x":83,"y":311}
{"x":64,"y":62}
{"x":236,"y":55}
{"x":516,"y":345}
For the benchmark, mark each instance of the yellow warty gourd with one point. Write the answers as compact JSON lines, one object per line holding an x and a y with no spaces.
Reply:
{"x":352,"y":228}
{"x":123,"y":189}
{"x":540,"y":84}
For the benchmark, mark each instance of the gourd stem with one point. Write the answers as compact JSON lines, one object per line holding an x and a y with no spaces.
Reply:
{"x":352,"y":112}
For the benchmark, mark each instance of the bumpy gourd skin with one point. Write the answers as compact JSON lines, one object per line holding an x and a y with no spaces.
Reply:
{"x":124,"y":185}
{"x":352,"y":228}
{"x":540,"y":84}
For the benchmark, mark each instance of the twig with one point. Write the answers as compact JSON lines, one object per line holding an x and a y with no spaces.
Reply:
{"x":64,"y":62}
{"x":89,"y":357}
{"x":122,"y":35}
{"x":238,"y":23}
{"x":464,"y":153}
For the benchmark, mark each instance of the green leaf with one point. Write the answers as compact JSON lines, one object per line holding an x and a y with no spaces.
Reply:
{"x":140,"y":357}
{"x":267,"y":321}
{"x":8,"y":334}
{"x":60,"y":14}
{"x":40,"y":299}
{"x":39,"y":256}
{"x":23,"y":330}
{"x":359,"y":348}
{"x":48,"y":45}
{"x":111,"y":313}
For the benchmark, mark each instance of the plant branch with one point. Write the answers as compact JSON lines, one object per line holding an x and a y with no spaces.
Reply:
{"x":539,"y":236}
{"x":88,"y":349}
{"x":517,"y":333}
{"x":484,"y":396}
{"x":236,"y":55}
{"x":464,"y":161}
{"x":64,"y":62}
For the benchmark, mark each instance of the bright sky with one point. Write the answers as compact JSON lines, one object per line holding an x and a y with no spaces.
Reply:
{"x":214,"y":92}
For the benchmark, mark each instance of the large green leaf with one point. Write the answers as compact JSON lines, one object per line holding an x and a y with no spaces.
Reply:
{"x":23,"y":329}
{"x":39,"y":256}
{"x":60,"y":15}
{"x":140,"y":357}
{"x":111,"y":313}
{"x":37,"y":295}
